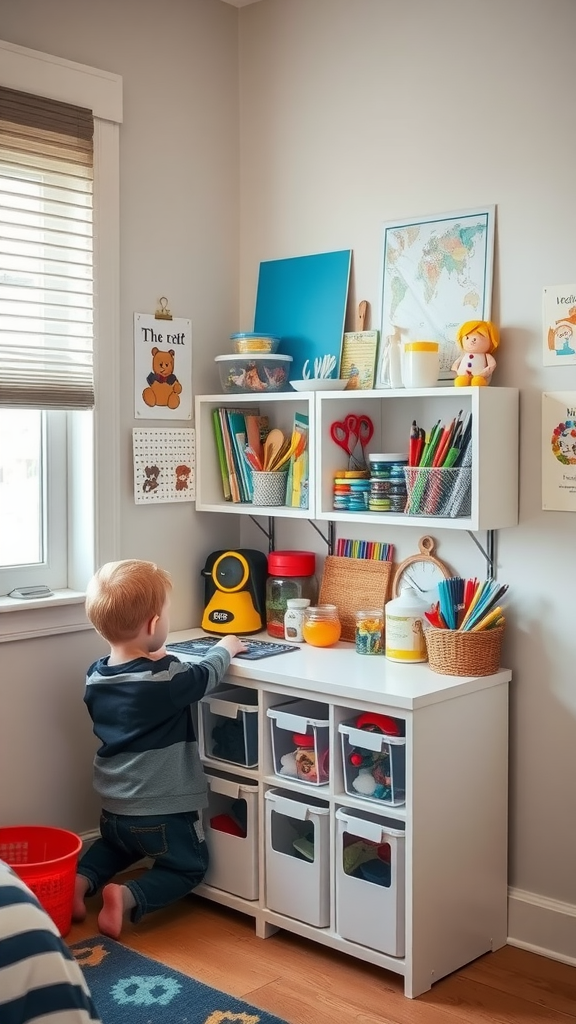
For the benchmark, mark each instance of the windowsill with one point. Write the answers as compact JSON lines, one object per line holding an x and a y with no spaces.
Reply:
{"x":62,"y":612}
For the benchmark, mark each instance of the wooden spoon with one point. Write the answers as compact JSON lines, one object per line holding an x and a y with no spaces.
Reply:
{"x":279,"y":454}
{"x":287,"y":455}
{"x":271,"y":446}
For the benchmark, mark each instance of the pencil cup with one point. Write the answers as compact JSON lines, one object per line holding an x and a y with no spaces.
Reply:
{"x":457,"y":652}
{"x":438,"y":492}
{"x":269,"y":487}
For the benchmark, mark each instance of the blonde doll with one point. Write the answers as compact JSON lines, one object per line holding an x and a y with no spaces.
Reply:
{"x":477,"y":339}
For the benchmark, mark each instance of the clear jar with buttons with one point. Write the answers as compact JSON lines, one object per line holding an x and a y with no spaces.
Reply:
{"x":291,"y":574}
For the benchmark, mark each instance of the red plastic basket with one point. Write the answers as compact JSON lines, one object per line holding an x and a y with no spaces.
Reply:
{"x":45,"y":858}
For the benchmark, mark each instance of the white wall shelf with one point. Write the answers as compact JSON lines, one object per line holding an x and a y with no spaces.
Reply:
{"x":494,"y":503}
{"x":454,"y":893}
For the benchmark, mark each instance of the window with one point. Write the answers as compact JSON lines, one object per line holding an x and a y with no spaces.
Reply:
{"x":46,"y":325}
{"x":58,"y":298}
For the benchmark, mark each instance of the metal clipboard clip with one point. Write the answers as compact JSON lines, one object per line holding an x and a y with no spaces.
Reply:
{"x":163,"y":313}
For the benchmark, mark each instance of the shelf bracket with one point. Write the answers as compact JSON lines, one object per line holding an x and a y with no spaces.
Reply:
{"x":330,"y":540}
{"x":489,"y":553}
{"x":269,"y":533}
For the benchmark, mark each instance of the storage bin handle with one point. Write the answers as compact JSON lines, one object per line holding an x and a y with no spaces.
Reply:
{"x":370,"y":830}
{"x":224,"y":786}
{"x":225,"y":708}
{"x":370,"y":740}
{"x":289,"y":808}
{"x":294,"y":723}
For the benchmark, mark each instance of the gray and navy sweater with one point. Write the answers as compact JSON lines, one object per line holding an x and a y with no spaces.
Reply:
{"x":149,"y":762}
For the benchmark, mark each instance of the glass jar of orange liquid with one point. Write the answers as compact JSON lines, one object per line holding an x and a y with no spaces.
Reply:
{"x":321,"y":627}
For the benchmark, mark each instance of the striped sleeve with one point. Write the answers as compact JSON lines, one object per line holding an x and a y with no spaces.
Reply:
{"x":189,"y":682}
{"x":40,"y":982}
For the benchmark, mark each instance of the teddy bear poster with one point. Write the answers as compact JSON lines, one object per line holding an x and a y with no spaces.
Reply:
{"x":162,"y":368}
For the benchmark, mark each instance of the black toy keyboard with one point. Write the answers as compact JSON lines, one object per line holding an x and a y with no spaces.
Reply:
{"x":256,"y":648}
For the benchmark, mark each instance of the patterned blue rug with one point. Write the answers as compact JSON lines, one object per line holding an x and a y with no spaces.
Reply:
{"x":129,"y":988}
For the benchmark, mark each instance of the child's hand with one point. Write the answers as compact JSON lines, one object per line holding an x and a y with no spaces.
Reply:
{"x":233,"y":645}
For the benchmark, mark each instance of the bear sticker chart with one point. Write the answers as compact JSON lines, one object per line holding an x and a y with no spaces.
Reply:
{"x":164,"y":463}
{"x":162,"y":368}
{"x":256,"y":648}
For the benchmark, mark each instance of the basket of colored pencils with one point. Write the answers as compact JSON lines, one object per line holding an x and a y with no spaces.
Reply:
{"x":466,"y":628}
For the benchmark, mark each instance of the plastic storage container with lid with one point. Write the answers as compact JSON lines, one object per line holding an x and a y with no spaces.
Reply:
{"x":290,"y":575}
{"x":244,"y":342}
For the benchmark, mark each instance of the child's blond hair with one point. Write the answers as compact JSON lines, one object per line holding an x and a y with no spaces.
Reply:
{"x":122,"y":596}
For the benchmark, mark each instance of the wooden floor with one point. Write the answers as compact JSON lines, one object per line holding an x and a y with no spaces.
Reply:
{"x":304,"y":983}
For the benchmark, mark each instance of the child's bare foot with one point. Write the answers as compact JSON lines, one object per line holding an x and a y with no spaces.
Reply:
{"x":117,"y":900}
{"x":81,"y":886}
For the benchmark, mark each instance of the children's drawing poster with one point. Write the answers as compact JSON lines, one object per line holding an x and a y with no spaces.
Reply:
{"x":559,"y":451}
{"x":162,"y":368}
{"x":559,"y":325}
{"x":164,"y":464}
{"x":303,"y":300}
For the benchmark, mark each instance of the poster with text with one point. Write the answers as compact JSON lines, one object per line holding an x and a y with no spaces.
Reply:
{"x":162,"y":368}
{"x":559,"y":451}
{"x":559,"y":325}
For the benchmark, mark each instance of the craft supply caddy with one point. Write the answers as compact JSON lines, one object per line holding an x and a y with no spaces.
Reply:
{"x":409,"y":874}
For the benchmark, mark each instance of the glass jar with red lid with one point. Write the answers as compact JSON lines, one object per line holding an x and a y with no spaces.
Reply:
{"x":290,"y":574}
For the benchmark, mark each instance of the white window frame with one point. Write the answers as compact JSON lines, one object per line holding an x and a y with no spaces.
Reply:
{"x":94,"y":493}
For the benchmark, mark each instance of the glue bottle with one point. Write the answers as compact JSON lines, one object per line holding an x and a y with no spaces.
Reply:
{"x":405,"y":628}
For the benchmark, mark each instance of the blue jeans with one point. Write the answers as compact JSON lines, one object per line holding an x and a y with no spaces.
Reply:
{"x":175,"y":842}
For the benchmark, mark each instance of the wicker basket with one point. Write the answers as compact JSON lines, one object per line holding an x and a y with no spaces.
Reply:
{"x":455,"y":652}
{"x":353,"y":584}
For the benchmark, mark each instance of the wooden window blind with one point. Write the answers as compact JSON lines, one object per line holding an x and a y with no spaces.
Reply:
{"x":46,"y":253}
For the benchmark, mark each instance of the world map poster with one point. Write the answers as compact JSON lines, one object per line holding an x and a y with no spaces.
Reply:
{"x":437,"y":274}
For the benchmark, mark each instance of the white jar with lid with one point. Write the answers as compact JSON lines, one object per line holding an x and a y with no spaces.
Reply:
{"x":420,"y":364}
{"x":405,"y":628}
{"x":294,"y":618}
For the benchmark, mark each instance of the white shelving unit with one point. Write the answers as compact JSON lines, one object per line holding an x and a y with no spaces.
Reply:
{"x":280,"y":408}
{"x":453,"y":894}
{"x":494,"y":440}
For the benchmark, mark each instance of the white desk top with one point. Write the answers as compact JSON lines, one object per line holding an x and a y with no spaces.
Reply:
{"x":339,"y":672}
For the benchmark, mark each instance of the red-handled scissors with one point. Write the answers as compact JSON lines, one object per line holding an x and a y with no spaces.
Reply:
{"x":351,"y":432}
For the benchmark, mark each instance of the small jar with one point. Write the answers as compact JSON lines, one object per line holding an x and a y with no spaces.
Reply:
{"x":370,"y":631}
{"x":322,"y":626}
{"x":420,"y":364}
{"x":291,"y":574}
{"x":294,"y":618}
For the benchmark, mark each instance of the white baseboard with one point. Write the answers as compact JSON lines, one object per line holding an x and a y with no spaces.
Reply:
{"x":536,"y":923}
{"x":542,"y":925}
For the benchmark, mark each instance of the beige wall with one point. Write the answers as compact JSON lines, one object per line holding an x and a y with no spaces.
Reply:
{"x":179,"y":238}
{"x":352,"y":112}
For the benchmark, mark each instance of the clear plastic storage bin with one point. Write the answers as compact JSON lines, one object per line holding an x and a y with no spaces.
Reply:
{"x":231,"y":829}
{"x":370,"y":869}
{"x":300,"y":741}
{"x":374,"y":764}
{"x":298,"y":857}
{"x":228,"y":726}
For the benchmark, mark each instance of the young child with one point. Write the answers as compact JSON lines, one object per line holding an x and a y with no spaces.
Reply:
{"x":147,"y":770}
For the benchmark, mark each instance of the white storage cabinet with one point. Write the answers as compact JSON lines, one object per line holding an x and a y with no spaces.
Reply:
{"x":444,"y":901}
